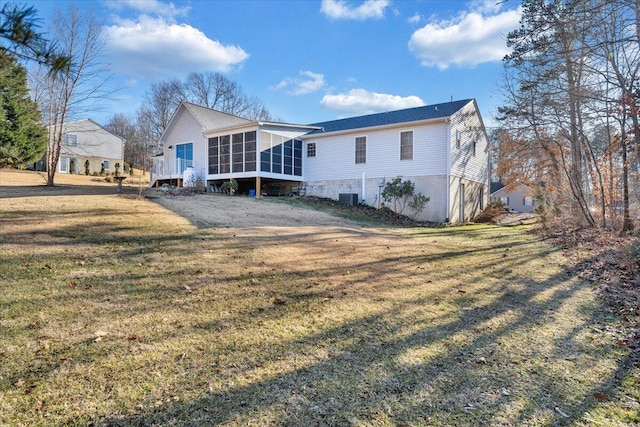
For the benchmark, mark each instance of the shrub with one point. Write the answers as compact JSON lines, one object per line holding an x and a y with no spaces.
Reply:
{"x":86,"y":167}
{"x":401,"y":194}
{"x":230,"y":186}
{"x":117,"y":166}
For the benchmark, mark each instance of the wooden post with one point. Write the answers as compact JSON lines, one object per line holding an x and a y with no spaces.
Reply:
{"x":258,"y":191}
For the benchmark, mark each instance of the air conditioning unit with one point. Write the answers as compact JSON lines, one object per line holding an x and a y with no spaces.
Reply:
{"x":348,"y":199}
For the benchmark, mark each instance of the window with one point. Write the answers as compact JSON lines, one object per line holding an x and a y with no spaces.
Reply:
{"x":311,"y":149}
{"x":214,"y":155}
{"x":250,"y":151}
{"x":105,"y":163}
{"x":361,"y":149}
{"x":276,"y":156}
{"x":225,"y":154}
{"x":458,"y":138}
{"x":406,"y":145}
{"x":70,"y":140}
{"x":288,"y":157}
{"x":475,"y":143}
{"x":237,"y":149}
{"x":297,"y":157}
{"x":504,"y":200}
{"x":527,"y":201}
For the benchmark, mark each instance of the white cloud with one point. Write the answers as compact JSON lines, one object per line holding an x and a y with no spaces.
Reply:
{"x":470,"y":39}
{"x":308,"y":82}
{"x":340,"y":9}
{"x":415,"y":18}
{"x":149,"y":7}
{"x":362,"y":101}
{"x":152,"y":48}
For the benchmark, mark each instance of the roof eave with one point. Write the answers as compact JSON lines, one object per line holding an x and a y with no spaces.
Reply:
{"x":257,"y":124}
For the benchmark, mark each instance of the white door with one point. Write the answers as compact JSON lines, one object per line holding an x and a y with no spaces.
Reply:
{"x":63,"y":164}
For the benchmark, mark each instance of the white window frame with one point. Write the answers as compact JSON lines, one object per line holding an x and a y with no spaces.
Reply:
{"x":403,"y":155}
{"x":70,"y":140}
{"x":362,"y":159}
{"x":311,"y":149}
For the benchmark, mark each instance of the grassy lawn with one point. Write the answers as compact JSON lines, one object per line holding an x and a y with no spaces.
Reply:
{"x":115,"y":311}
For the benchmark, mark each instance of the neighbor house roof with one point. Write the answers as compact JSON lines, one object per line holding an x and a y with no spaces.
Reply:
{"x":495,"y":186}
{"x":427,"y":112}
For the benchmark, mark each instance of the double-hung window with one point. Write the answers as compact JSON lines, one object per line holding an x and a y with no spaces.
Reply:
{"x":361,"y":149}
{"x":70,"y":140}
{"x":311,"y":149}
{"x":406,"y":145}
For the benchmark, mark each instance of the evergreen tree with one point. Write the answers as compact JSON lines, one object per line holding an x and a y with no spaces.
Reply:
{"x":22,"y":137}
{"x":19,"y":27}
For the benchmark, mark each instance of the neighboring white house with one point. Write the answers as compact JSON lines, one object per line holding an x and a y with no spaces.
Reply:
{"x":85,"y":140}
{"x":519,"y":199}
{"x":442,"y":148}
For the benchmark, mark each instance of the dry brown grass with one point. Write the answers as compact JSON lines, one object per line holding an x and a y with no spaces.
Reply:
{"x":116,"y":311}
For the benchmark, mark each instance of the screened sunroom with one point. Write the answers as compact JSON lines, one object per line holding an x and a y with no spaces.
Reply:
{"x":264,"y":159}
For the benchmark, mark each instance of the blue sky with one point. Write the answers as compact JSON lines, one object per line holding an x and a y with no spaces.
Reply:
{"x":309,"y":61}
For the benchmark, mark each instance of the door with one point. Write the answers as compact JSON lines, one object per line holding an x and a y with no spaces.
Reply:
{"x":184,"y":157}
{"x":63,"y":164}
{"x":462,"y":201}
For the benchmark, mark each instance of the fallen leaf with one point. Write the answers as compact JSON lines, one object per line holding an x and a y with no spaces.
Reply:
{"x":279,"y":301}
{"x":601,"y":396}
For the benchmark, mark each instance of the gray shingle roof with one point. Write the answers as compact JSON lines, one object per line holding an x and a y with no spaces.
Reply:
{"x":426,"y":112}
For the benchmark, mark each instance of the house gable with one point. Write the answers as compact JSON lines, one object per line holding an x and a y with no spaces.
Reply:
{"x":86,"y":141}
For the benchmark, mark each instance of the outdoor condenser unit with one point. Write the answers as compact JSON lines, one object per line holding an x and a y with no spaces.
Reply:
{"x":348,"y":199}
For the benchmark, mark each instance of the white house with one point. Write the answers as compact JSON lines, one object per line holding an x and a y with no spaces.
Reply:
{"x":263,"y":157}
{"x":520,"y":198}
{"x":86,"y":141}
{"x":442,"y":148}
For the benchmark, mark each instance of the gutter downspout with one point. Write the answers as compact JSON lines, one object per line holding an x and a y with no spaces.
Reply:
{"x":364,"y":186}
{"x":448,"y":171}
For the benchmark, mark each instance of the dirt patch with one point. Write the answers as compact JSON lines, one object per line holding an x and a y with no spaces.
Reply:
{"x":221,"y":210}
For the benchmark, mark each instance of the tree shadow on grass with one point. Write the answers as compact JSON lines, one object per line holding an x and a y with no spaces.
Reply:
{"x":397,"y":365}
{"x":382,"y":369}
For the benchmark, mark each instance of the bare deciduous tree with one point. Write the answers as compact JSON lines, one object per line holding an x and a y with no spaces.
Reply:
{"x":79,"y":87}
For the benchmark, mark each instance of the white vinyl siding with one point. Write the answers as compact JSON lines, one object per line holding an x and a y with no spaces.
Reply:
{"x":335,"y":155}
{"x":186,"y":130}
{"x":471,"y":160}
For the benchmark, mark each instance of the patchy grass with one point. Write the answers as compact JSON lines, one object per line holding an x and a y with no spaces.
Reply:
{"x":115,"y":311}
